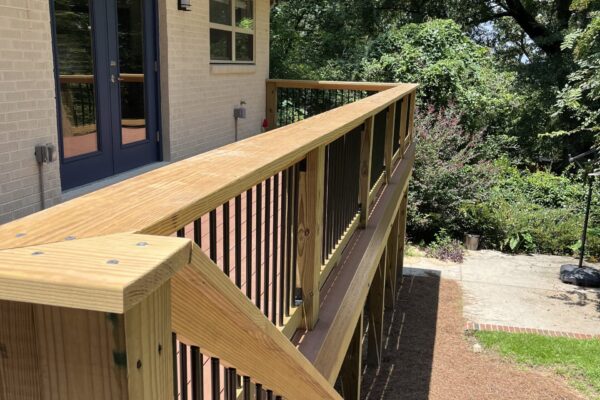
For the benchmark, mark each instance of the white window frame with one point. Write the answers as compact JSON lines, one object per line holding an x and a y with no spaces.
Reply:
{"x":234,"y":29}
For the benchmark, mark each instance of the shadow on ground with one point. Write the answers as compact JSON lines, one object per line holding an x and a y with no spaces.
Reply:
{"x":410,"y":332}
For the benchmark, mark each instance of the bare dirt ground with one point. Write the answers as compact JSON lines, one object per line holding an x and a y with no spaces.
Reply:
{"x":428,"y":357}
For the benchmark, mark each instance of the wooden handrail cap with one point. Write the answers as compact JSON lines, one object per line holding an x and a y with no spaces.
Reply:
{"x":109,"y":273}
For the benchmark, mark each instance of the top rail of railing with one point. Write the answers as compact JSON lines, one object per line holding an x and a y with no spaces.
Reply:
{"x":165,"y":200}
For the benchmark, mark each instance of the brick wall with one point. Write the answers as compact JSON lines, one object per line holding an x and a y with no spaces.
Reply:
{"x":27,"y":106}
{"x":201,"y":96}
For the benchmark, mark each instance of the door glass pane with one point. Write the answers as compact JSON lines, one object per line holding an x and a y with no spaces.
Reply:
{"x":244,"y":16}
{"x":220,"y":12}
{"x":244,"y":47}
{"x":220,"y":45}
{"x":76,"y":77}
{"x":131,"y":65}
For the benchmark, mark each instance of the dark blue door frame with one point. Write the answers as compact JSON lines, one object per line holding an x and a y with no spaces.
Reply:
{"x":112,"y":156}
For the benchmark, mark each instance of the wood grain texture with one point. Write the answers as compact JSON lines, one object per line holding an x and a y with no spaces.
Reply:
{"x":166,"y":199}
{"x":211,"y":312}
{"x":81,"y":353}
{"x":271,"y":105}
{"x":109,"y":274}
{"x":310,"y":233}
{"x":389,"y":140}
{"x":403,"y":125}
{"x":149,"y":350}
{"x":19,"y":364}
{"x":375,"y":304}
{"x":366,"y":146}
{"x":392,"y":265}
{"x":351,"y":372}
{"x":334,"y":85}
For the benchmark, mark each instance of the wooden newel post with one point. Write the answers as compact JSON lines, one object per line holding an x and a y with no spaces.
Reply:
{"x":60,"y":353}
{"x":310,"y":231}
{"x":366,"y":147}
{"x":389,"y":141}
{"x":404,"y":124}
{"x":271,"y":109}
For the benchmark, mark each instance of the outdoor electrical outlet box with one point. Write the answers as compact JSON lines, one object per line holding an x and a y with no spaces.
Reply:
{"x":239,"y":112}
{"x":45,"y":153}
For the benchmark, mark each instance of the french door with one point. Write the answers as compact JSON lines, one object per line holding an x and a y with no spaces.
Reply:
{"x":107,"y":83}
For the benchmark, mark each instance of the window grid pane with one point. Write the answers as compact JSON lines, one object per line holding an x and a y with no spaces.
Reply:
{"x":220,"y":45}
{"x":220,"y":12}
{"x":229,"y":40}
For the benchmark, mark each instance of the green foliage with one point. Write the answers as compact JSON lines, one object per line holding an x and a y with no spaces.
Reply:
{"x":577,"y":360}
{"x":449,"y":67}
{"x":444,"y":248}
{"x":532,"y":212}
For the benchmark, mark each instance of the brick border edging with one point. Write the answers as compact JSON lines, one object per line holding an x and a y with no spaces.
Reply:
{"x":473,"y":326}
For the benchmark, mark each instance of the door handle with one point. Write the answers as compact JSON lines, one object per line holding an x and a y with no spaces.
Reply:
{"x":112,"y":78}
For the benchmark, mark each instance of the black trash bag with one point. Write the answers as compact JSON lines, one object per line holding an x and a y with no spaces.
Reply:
{"x":585,"y":276}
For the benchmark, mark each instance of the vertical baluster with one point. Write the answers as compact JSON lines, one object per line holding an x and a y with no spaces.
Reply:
{"x":267,"y":244}
{"x":275,"y":249}
{"x":258,"y":244}
{"x":197,"y":374}
{"x":238,"y":241}
{"x":232,"y":389}
{"x":269,"y":395}
{"x":181,"y":232}
{"x":226,"y":231}
{"x":212,"y":234}
{"x":259,"y":392}
{"x":215,"y":375}
{"x":247,"y":388}
{"x":183,"y":377}
{"x":249,"y":243}
{"x":326,"y":203}
{"x":198,"y":232}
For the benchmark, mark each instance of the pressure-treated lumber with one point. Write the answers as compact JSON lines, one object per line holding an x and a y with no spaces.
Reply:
{"x":310,"y":232}
{"x":110,"y":274}
{"x":351,"y":372}
{"x":366,"y":150}
{"x":376,"y":306}
{"x":402,"y":215}
{"x":168,"y":198}
{"x":58,"y":353}
{"x":389,"y":140}
{"x":392,"y":265}
{"x":334,"y":259}
{"x":210,"y":311}
{"x":332,"y":85}
{"x":272,"y":105}
{"x":403,"y":124}
{"x":344,"y":294}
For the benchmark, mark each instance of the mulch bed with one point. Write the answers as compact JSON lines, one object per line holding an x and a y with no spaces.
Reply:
{"x":428,"y":356}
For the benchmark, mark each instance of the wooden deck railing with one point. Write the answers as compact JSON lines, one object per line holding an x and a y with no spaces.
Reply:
{"x":98,"y":299}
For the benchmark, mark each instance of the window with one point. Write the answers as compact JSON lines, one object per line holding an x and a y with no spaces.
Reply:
{"x":232,"y":31}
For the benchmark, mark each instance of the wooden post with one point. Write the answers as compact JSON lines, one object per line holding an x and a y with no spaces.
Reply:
{"x":375,"y":301}
{"x":366,"y":147}
{"x":403,"y":124}
{"x":80,"y":354}
{"x":310,"y":232}
{"x":389,"y":141}
{"x":401,"y":233}
{"x":351,"y":371}
{"x":392,"y":266}
{"x":271,"y":110}
{"x":411,"y":117}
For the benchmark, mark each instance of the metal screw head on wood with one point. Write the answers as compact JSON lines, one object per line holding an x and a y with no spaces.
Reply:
{"x":37,"y":253}
{"x":70,"y":238}
{"x":113,"y":262}
{"x":20,"y":235}
{"x":142,"y":244}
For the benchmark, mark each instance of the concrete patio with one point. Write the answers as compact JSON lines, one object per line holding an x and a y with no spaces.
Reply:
{"x":519,"y":291}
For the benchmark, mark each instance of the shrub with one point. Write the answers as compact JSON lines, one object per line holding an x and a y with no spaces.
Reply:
{"x":445,"y":248}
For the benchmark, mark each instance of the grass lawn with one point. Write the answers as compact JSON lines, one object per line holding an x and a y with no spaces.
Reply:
{"x":577,"y":360}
